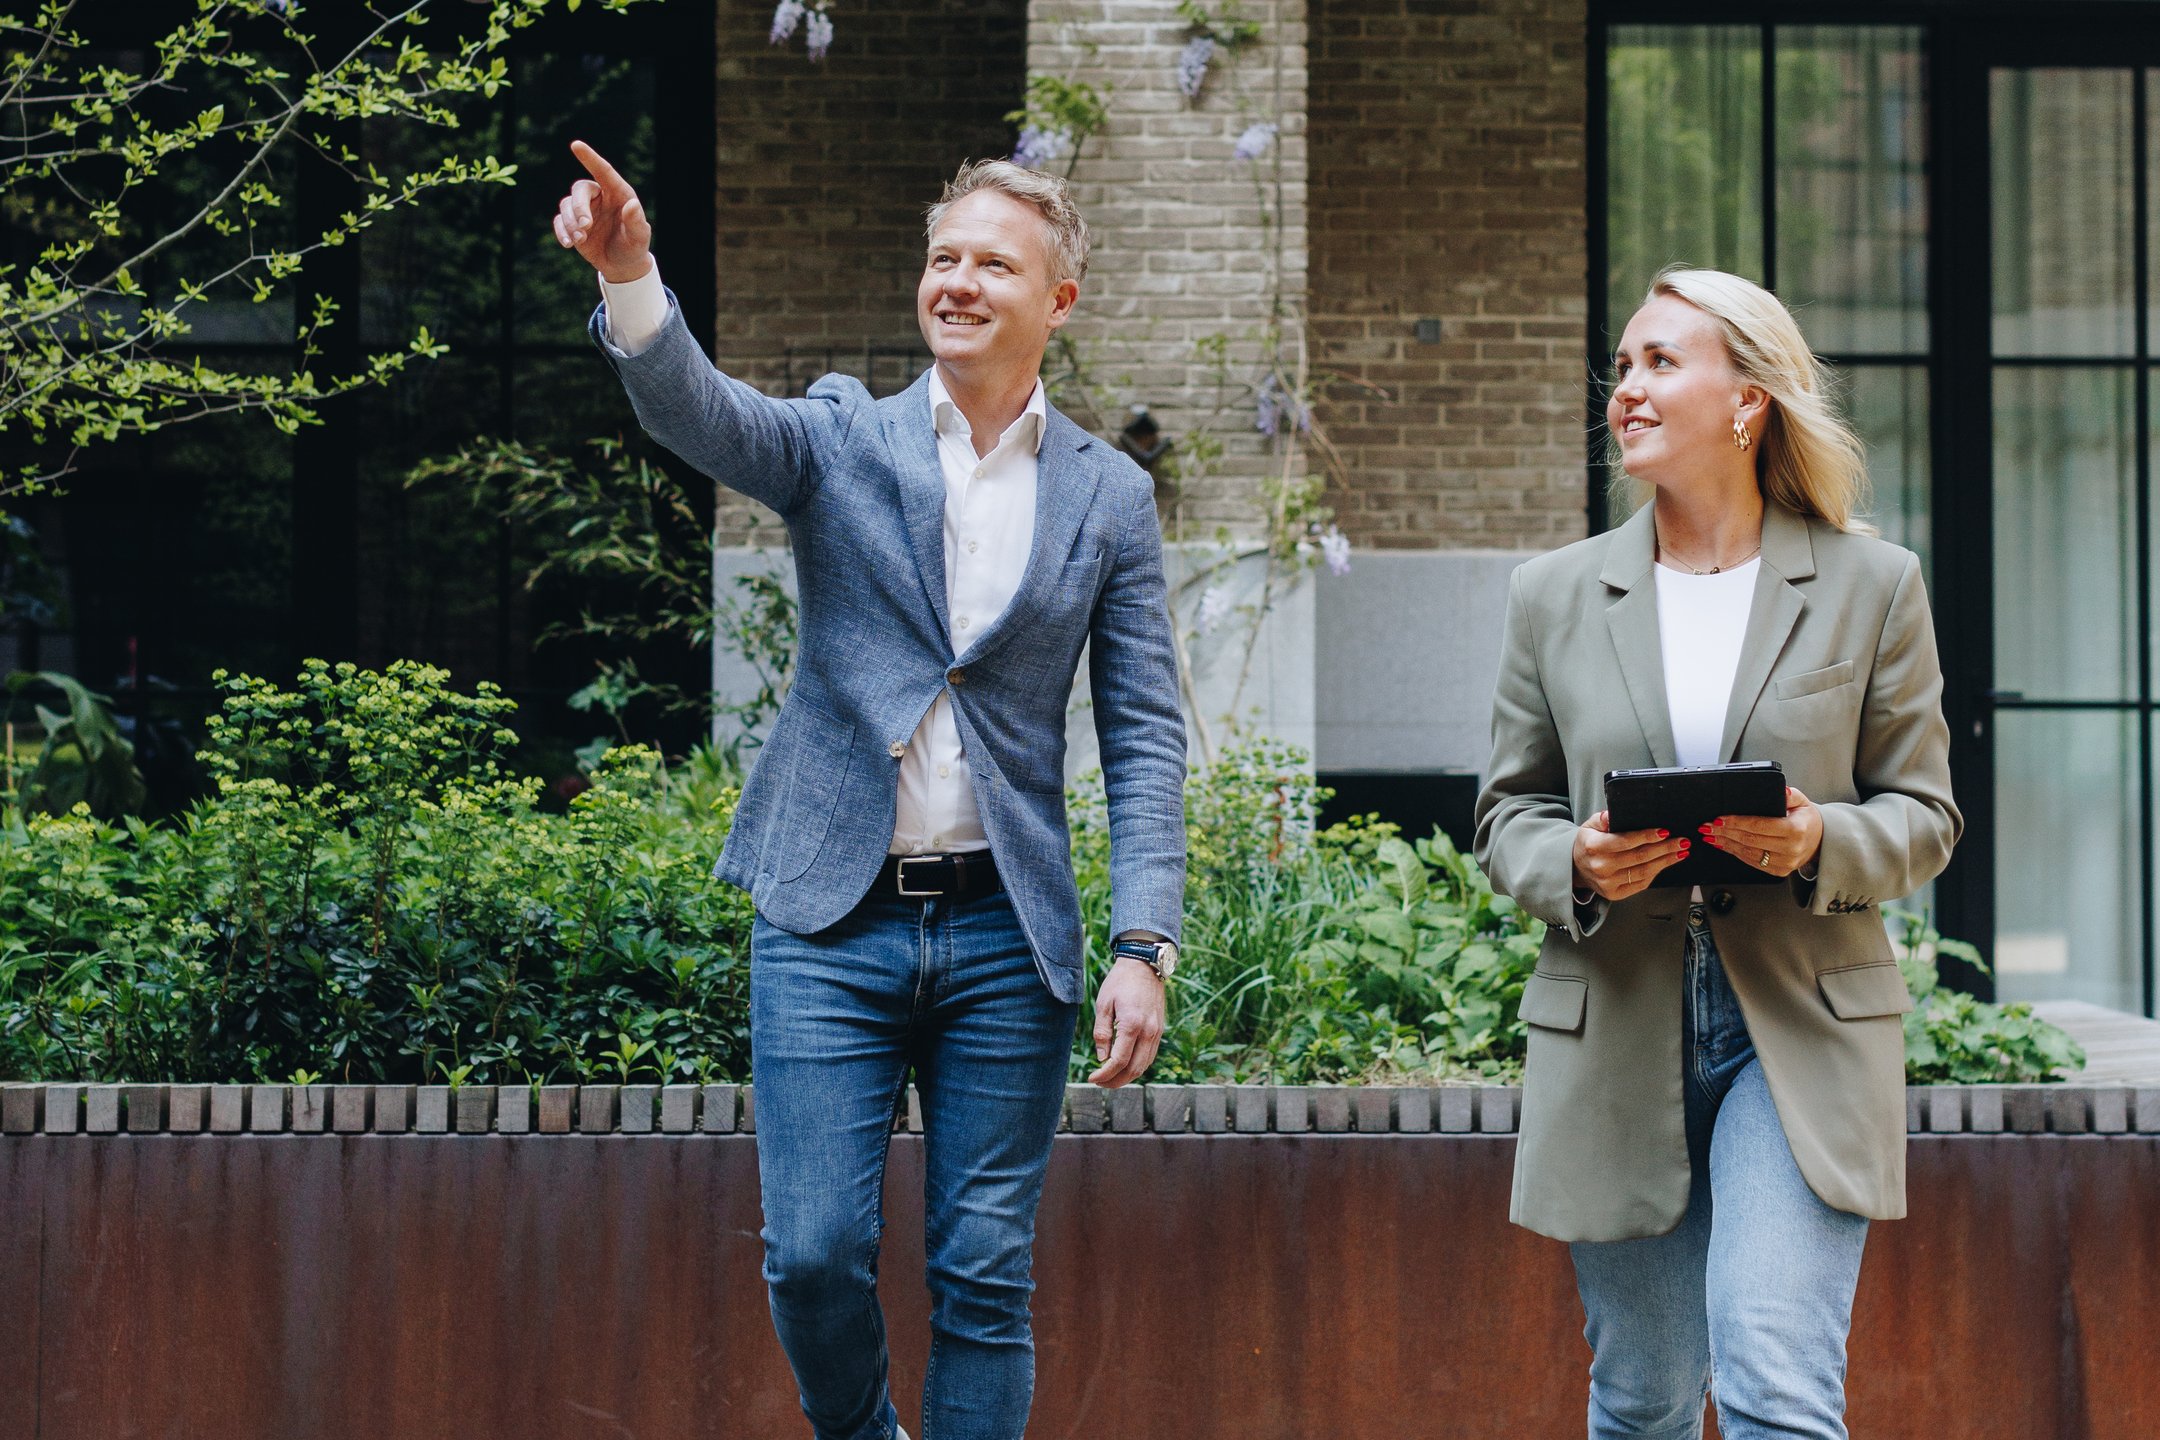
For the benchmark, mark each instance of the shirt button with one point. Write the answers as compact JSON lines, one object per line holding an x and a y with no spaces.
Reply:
{"x":972,"y":547}
{"x":896,"y":749}
{"x":944,"y":772}
{"x":962,"y":622}
{"x":978,"y":472}
{"x":937,"y":842}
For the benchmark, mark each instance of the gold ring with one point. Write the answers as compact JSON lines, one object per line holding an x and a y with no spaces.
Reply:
{"x":1764,"y":863}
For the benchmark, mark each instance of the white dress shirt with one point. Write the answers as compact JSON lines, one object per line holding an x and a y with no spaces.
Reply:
{"x":989,"y":530}
{"x":1702,"y":622}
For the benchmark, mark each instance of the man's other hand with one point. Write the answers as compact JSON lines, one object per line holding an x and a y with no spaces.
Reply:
{"x":604,"y":221}
{"x":1129,"y":1015}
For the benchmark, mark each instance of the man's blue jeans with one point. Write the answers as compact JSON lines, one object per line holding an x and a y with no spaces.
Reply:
{"x":947,"y":989}
{"x":1751,"y":1296}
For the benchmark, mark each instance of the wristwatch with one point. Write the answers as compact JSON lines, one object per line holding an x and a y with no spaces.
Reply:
{"x":1159,"y":956}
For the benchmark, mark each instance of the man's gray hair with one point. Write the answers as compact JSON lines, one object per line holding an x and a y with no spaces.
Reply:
{"x":1047,"y":193}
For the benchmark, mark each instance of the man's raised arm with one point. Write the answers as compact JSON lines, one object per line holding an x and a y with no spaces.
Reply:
{"x":749,"y":442}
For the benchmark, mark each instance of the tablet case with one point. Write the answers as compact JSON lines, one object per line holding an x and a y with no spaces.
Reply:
{"x":1681,"y":797}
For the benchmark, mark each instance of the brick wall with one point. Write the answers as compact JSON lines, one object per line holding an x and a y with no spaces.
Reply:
{"x":1447,"y":145}
{"x":1183,"y":244}
{"x":823,"y":172}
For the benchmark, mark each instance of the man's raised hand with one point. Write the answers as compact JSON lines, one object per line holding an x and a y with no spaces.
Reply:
{"x":604,"y":221}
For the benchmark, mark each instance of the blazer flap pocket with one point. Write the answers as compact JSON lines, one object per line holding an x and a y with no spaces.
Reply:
{"x":1554,"y":1002}
{"x":1792,"y":687}
{"x":1856,"y":992}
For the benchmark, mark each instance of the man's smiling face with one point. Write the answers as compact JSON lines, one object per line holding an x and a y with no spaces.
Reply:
{"x":990,"y":298}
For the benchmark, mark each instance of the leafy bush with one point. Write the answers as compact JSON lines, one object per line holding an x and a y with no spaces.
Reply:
{"x":1953,"y":1039}
{"x":370,"y":895}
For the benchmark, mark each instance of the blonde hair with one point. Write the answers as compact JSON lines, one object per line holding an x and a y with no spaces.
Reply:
{"x":1807,"y":457}
{"x":1047,"y":193}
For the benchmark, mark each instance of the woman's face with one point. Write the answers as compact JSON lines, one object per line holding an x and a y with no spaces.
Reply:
{"x":1675,"y":393}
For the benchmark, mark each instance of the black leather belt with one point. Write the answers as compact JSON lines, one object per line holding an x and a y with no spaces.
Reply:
{"x":960,"y":876}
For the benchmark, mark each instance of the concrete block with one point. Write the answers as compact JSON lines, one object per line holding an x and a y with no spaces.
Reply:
{"x":1086,"y":1109}
{"x":349,"y":1108}
{"x":2145,"y":1109}
{"x":747,"y":1121}
{"x":2110,"y":1110}
{"x":1946,"y":1109}
{"x":557,"y":1104}
{"x":1374,"y":1110}
{"x":63,"y":1105}
{"x":597,"y":1108}
{"x":431,"y":1109}
{"x":513,"y":1109}
{"x":473,"y":1109}
{"x":678,"y":1109}
{"x":1210,"y":1109}
{"x":266,"y":1109}
{"x":310,"y":1109}
{"x":638,"y":1102}
{"x":101,"y":1109}
{"x":1984,"y":1109}
{"x":1169,"y":1109}
{"x":911,"y":1114}
{"x":1458,"y":1109}
{"x":2070,"y":1109}
{"x":145,"y":1107}
{"x":1291,"y":1108}
{"x":187,"y":1108}
{"x":1128,"y":1110}
{"x":1496,"y":1109}
{"x":1915,"y":1109}
{"x":2025,"y":1108}
{"x":393,"y":1109}
{"x":1413,"y":1110}
{"x":1249,"y":1109}
{"x":22,"y":1107}
{"x":720,"y":1109}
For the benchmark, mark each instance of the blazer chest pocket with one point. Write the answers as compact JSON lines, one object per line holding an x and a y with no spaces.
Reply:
{"x":1861,"y":992}
{"x":1082,"y":578}
{"x":1554,"y":1002}
{"x":1814,"y":682}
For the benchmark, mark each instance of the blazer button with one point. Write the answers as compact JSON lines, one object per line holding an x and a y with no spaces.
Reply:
{"x":957,"y":675}
{"x":1722,"y":902}
{"x":897,"y":749}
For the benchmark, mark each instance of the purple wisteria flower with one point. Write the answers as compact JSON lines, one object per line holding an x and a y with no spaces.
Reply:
{"x":1214,"y":608}
{"x":1272,"y":405}
{"x":817,"y":33}
{"x":1254,"y":142}
{"x":1335,"y":549}
{"x":1192,"y":65}
{"x":785,"y":17}
{"x":1037,"y":147}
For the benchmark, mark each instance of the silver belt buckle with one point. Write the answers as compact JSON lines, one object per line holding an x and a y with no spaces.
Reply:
{"x":900,"y":877}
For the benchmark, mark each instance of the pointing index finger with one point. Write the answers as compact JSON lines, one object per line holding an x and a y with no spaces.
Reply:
{"x":599,"y":168}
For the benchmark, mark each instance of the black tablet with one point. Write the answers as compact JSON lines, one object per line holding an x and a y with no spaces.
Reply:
{"x":1679,"y":798}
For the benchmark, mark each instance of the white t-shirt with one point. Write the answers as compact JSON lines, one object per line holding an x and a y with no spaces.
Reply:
{"x":1702,"y":620}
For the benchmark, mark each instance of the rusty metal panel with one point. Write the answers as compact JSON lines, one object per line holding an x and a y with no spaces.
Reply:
{"x":1317,"y":1288}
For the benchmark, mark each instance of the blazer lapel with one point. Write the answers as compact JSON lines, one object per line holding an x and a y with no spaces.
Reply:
{"x":1064,"y":493}
{"x":1634,"y":622}
{"x":922,"y":489}
{"x":1787,"y":555}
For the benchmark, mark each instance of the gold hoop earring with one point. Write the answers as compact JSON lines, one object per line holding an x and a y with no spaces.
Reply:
{"x":1740,"y":438}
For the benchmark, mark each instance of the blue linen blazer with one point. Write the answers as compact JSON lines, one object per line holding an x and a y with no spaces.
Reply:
{"x":858,"y":484}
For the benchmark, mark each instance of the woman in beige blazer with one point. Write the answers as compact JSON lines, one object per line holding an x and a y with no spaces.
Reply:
{"x":1713,"y":1105}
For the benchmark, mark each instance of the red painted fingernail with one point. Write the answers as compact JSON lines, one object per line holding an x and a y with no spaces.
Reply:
{"x":1664,"y":834}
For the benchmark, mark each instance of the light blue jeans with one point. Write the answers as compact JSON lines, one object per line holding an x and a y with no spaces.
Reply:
{"x":838,"y":1019}
{"x":1750,"y":1297}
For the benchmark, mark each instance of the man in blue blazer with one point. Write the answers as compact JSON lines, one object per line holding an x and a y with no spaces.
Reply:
{"x":903,"y":831}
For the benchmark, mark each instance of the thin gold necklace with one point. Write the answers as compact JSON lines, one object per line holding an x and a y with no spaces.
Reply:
{"x":1666,"y":551}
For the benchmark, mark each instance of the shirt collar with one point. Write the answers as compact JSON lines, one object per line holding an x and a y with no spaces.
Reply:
{"x":946,"y":417}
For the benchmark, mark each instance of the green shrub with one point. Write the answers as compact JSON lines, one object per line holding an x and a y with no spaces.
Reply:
{"x":371,"y":895}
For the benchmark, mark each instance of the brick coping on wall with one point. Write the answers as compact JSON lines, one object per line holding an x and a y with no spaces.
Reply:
{"x":40,"y":1108}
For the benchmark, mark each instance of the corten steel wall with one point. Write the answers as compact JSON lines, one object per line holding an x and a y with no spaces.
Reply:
{"x":1191,"y":1286}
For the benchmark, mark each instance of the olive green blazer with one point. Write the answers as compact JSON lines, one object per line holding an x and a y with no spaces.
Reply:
{"x":1839,"y":683}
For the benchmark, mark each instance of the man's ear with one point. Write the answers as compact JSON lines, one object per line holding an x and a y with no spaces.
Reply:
{"x":1062,"y":299}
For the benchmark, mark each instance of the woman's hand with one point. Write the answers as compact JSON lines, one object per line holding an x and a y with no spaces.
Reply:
{"x":1617,"y":866}
{"x":1775,"y":845}
{"x":604,"y":221}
